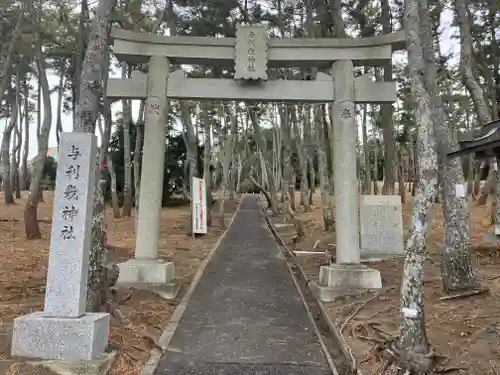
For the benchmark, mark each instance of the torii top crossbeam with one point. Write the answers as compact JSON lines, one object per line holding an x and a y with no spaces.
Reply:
{"x":136,"y":47}
{"x":252,"y":53}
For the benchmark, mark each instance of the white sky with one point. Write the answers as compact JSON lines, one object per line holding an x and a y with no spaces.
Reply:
{"x":447,"y":45}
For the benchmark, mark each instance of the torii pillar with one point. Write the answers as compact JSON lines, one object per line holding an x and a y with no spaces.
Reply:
{"x":146,"y":268}
{"x":348,"y":275}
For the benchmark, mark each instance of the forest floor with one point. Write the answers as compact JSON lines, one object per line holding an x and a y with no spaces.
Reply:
{"x":23,"y":266}
{"x":466,"y":331}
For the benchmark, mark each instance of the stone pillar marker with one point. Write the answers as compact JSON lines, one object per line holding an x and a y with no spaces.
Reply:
{"x":348,"y":275}
{"x":63,"y":330}
{"x":146,"y":268}
{"x":73,"y":204}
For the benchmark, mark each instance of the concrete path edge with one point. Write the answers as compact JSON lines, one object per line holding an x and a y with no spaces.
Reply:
{"x":346,"y":350}
{"x":167,"y":334}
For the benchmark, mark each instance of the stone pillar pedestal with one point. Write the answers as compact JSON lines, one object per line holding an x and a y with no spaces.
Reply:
{"x":338,"y":280}
{"x":146,"y":268}
{"x":70,"y":339}
{"x":146,"y":271}
{"x":348,"y":274}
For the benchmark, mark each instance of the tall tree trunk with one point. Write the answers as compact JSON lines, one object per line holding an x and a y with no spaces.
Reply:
{"x":274,"y":157}
{"x":288,"y":188}
{"x":338,"y":22}
{"x":401,"y":180}
{"x":312,"y":178}
{"x":328,"y":137}
{"x":127,"y":152}
{"x":300,"y":147}
{"x":456,"y":259}
{"x":31,"y":209}
{"x":39,"y":129}
{"x":6,"y":55}
{"x":227,"y":157}
{"x":263,"y":169}
{"x":306,"y":169}
{"x":238,"y":177}
{"x":227,"y":149}
{"x":15,"y":156}
{"x":114,"y":194}
{"x":466,"y":62}
{"x":207,"y":150}
{"x":105,"y":160}
{"x":7,"y":133}
{"x":376,"y":175}
{"x":470,"y":82}
{"x":309,"y":138}
{"x":90,"y":94}
{"x":137,"y":165}
{"x":138,"y":156}
{"x":321,"y":145}
{"x":191,"y":155}
{"x":477,"y":178}
{"x":80,"y":52}
{"x":413,"y":346}
{"x":416,"y":169}
{"x":261,"y":145}
{"x":277,"y":147}
{"x":60,"y":94}
{"x":366,"y":153}
{"x":24,"y":170}
{"x":386,"y":111}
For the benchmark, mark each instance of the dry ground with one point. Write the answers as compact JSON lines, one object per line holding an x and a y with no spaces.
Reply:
{"x":23,"y":268}
{"x":465,"y":330}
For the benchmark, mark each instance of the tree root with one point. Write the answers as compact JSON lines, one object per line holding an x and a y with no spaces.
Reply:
{"x":493,"y":367}
{"x":353,"y":314}
{"x":358,"y":309}
{"x":405,"y":361}
{"x":466,"y":293}
{"x":371,"y":332}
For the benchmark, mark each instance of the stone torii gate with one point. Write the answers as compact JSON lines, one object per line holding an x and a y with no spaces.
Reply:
{"x":251,"y":53}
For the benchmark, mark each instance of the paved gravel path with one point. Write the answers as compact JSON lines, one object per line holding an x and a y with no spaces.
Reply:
{"x":245,"y":316}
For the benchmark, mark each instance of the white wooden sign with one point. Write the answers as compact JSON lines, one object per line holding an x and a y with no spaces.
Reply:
{"x":199,"y":205}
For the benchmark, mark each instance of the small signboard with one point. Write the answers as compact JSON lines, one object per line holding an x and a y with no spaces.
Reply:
{"x":199,"y":205}
{"x":250,"y":61}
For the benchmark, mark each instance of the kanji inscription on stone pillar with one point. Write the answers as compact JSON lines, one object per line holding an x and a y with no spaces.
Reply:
{"x":251,"y":52}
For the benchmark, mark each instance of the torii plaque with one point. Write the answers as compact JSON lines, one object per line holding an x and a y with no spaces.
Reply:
{"x":250,"y":62}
